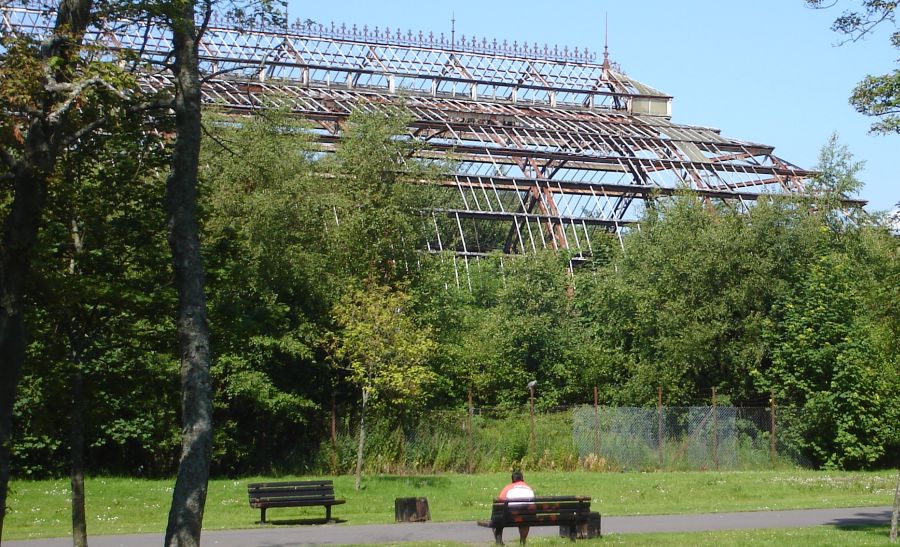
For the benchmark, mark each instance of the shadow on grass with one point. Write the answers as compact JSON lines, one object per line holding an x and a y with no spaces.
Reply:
{"x":877,"y":532}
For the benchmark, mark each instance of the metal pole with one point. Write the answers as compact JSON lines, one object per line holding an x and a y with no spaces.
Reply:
{"x":715,"y":430}
{"x":772,"y":450}
{"x":471,"y":435}
{"x":659,"y":433}
{"x":533,"y":437}
{"x":334,"y":464}
{"x":597,"y":419}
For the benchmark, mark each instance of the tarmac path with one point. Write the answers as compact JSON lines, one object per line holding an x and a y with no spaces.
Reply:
{"x":470,"y":532}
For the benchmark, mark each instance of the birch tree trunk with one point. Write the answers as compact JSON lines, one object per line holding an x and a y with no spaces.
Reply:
{"x":362,"y":439}
{"x":189,"y":497}
{"x":896,"y":512}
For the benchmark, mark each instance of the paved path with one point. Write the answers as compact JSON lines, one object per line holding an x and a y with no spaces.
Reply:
{"x":469,"y":532}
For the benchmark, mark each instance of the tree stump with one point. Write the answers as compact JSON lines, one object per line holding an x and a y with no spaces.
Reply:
{"x":411,"y":510}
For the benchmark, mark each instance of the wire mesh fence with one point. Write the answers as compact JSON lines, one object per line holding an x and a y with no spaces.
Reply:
{"x":581,"y":437}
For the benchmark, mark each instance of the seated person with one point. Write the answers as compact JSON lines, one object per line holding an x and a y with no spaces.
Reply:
{"x":518,"y":490}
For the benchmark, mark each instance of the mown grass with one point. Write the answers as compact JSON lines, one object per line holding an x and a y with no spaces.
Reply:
{"x":819,"y":535}
{"x":123,"y":505}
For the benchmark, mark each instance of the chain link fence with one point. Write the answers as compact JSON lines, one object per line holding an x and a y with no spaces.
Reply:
{"x":590,"y":437}
{"x":678,"y":438}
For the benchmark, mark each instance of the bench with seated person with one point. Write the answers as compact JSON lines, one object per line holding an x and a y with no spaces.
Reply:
{"x":517,"y":506}
{"x":568,"y":512}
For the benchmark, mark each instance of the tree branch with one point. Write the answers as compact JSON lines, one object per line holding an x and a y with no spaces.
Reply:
{"x":217,"y":140}
{"x":100,"y":122}
{"x":75,"y":92}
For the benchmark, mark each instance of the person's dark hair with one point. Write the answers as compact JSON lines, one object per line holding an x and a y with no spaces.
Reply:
{"x":517,"y":476}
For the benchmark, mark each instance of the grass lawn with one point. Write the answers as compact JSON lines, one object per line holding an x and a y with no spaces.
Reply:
{"x":120,"y":505}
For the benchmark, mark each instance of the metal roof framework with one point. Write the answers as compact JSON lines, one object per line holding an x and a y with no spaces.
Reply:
{"x":556,"y":147}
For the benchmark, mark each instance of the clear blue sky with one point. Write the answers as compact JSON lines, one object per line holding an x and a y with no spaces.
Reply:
{"x":765,"y":71}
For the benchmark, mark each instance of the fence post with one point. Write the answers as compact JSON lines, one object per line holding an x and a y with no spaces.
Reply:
{"x":334,"y":465}
{"x":597,"y":420}
{"x":772,"y":450}
{"x":471,"y":457}
{"x":659,"y":433}
{"x":715,"y":430}
{"x":533,"y":436}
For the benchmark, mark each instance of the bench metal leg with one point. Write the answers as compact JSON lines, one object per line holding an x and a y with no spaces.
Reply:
{"x":327,"y":513}
{"x":523,"y":534}
{"x":262,"y":515}
{"x":498,"y":536}
{"x":573,"y":532}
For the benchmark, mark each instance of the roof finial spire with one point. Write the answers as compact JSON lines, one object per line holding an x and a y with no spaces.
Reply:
{"x":452,"y":30}
{"x":606,"y":44}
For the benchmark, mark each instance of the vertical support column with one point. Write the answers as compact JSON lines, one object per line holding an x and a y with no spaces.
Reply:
{"x":533,"y":436}
{"x":471,"y":429}
{"x":773,"y":454}
{"x":659,"y":433}
{"x":334,"y":465}
{"x":597,"y":420}
{"x":715,"y":430}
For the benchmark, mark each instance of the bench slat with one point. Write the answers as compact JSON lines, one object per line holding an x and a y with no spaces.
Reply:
{"x":292,"y":487}
{"x":289,"y":483}
{"x":542,"y":507}
{"x":258,"y":505}
{"x":292,"y":492}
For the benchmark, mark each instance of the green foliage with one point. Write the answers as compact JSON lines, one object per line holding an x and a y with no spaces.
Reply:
{"x":316,"y":291}
{"x":879,"y":96}
{"x":823,"y":363}
{"x":377,"y":199}
{"x":265,"y":291}
{"x":102,"y":306}
{"x":684,"y":308}
{"x":383,"y":349}
{"x":836,"y":174}
{"x":876,"y":96}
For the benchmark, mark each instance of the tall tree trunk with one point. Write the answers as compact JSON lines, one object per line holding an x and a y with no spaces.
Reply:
{"x":19,"y":235}
{"x":362,"y":439}
{"x":895,"y":514}
{"x":79,"y":522}
{"x":20,"y":227}
{"x":76,"y":475}
{"x":189,"y":497}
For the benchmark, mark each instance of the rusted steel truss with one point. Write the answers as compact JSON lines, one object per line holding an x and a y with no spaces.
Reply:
{"x":550,"y":149}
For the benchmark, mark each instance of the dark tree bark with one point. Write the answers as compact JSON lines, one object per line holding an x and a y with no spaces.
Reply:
{"x":20,"y":228}
{"x":79,"y":522}
{"x":76,"y":475}
{"x":189,"y":497}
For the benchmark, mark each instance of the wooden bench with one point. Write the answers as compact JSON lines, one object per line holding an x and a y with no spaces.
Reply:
{"x":292,"y":494}
{"x":568,"y":512}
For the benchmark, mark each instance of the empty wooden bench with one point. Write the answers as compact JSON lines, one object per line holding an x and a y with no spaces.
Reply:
{"x":568,"y":512}
{"x":264,"y":495}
